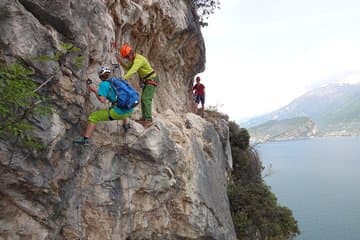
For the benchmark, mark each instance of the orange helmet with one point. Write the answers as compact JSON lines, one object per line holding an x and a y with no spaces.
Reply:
{"x":125,"y":50}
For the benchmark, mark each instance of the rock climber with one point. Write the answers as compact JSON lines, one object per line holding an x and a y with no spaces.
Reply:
{"x":136,"y":63}
{"x":199,"y":92}
{"x":104,"y":92}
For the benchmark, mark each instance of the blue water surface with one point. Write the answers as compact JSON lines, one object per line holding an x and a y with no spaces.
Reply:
{"x":318,"y":179}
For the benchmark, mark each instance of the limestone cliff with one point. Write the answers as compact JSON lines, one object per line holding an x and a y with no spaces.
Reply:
{"x":165,"y":182}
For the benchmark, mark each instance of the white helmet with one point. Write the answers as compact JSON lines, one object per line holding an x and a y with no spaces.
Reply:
{"x":104,"y":70}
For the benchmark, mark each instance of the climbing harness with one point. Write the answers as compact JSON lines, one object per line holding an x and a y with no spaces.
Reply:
{"x":151,"y":82}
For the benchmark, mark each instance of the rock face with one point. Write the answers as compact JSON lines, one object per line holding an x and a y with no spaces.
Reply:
{"x":165,"y":182}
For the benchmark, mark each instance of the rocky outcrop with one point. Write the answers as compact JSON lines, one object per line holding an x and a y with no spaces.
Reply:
{"x":165,"y":182}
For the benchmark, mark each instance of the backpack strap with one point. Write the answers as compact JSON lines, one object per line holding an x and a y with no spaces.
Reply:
{"x":112,"y":88}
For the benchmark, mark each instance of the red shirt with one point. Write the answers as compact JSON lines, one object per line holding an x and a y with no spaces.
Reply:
{"x":199,"y":89}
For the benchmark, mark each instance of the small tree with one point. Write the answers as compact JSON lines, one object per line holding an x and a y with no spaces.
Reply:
{"x":254,"y":207}
{"x":18,"y":100}
{"x":204,"y":8}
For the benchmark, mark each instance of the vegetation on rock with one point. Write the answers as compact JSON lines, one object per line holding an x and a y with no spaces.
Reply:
{"x":254,"y":208}
{"x":205,"y":8}
{"x":18,"y":101}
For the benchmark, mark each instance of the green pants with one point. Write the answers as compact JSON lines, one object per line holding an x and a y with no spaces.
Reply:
{"x":147,"y":96}
{"x":107,"y":115}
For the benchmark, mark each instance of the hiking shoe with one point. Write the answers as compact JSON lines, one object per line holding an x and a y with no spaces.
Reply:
{"x":82,"y":141}
{"x":145,"y":122}
{"x":126,"y":127}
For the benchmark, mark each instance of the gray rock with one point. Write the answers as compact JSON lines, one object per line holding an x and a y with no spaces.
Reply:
{"x":164,"y":182}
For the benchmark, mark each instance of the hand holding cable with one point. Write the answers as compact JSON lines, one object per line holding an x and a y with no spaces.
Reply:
{"x":91,"y":87}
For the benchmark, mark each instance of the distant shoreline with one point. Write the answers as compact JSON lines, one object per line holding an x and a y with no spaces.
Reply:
{"x":252,"y":142}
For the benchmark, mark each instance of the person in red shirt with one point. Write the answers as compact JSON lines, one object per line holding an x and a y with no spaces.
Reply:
{"x":199,"y":92}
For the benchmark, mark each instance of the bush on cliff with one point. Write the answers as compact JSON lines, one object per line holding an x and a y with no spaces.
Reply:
{"x":254,"y":208}
{"x":204,"y":8}
{"x":18,"y":101}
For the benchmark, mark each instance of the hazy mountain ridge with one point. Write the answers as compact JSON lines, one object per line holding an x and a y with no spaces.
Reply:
{"x":335,"y":110}
{"x":282,"y":130}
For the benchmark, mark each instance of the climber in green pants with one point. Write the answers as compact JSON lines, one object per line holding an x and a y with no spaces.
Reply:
{"x":139,"y":64}
{"x":146,"y":101}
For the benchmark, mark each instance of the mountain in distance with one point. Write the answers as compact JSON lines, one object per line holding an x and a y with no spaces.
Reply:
{"x":335,"y":110}
{"x":282,"y":130}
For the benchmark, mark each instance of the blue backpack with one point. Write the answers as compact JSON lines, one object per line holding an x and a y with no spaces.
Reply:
{"x":126,"y":96}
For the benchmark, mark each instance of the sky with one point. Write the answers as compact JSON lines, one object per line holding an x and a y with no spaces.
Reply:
{"x":262,"y":54}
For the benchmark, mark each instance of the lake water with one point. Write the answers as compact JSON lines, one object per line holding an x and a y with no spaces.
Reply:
{"x":319,"y":180}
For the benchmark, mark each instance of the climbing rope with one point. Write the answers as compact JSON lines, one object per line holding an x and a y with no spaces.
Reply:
{"x":79,"y":198}
{"x":118,"y":219}
{"x":118,"y":210}
{"x":116,"y":66}
{"x":79,"y":166}
{"x":128,"y":181}
{"x":79,"y":209}
{"x":116,"y":69}
{"x":117,"y":72}
{"x":86,"y":107}
{"x":118,"y":205}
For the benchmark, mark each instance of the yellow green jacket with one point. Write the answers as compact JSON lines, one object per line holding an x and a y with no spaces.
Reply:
{"x":141,"y":66}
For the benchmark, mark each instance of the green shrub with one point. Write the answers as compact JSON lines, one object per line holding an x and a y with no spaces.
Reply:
{"x":254,"y":207}
{"x":18,"y":101}
{"x":19,"y":97}
{"x":204,"y":9}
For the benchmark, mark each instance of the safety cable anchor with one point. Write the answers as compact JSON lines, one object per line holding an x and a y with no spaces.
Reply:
{"x":115,"y":65}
